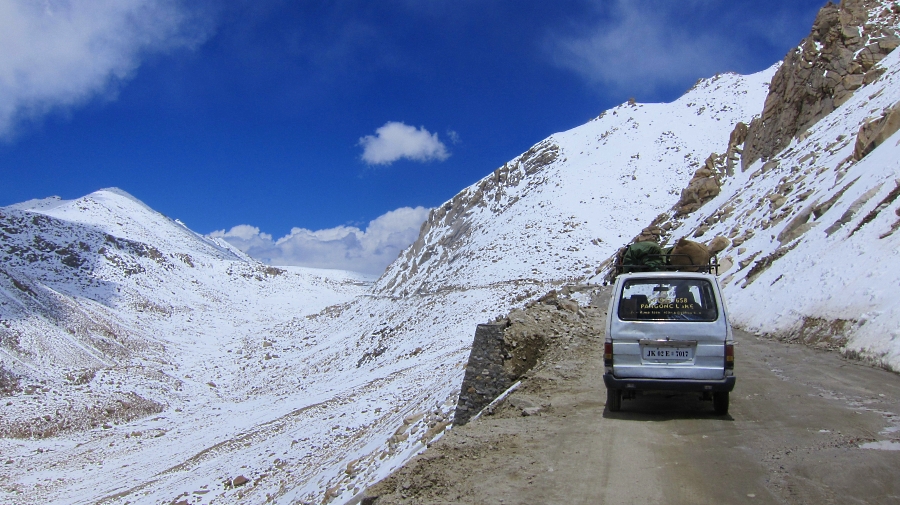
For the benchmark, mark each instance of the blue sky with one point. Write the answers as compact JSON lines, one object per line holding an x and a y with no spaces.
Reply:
{"x":327,"y":117}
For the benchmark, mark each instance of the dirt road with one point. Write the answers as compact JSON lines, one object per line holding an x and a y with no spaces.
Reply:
{"x":805,"y":426}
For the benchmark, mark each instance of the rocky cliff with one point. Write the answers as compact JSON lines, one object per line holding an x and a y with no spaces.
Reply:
{"x":837,"y":58}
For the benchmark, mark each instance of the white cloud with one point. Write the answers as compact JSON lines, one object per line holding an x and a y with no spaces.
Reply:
{"x":246,"y":232}
{"x":396,"y":140}
{"x":639,"y":48}
{"x":60,"y":53}
{"x":344,"y":247}
{"x":245,"y":237}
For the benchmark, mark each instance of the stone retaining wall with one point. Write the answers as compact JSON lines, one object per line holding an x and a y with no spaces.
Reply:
{"x":485,"y":378}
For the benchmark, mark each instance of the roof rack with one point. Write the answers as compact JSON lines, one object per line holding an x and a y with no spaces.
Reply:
{"x":665,"y":266}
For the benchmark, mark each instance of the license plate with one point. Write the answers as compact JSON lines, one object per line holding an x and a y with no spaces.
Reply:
{"x":668,"y":353}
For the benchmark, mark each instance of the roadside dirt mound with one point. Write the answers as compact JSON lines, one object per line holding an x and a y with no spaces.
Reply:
{"x":531,"y":330}
{"x":551,"y":342}
{"x":508,"y":347}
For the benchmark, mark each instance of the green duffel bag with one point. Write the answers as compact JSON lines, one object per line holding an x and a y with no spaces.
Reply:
{"x":643,"y":257}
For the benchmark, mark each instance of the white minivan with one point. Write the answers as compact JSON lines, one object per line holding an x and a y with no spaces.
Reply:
{"x":668,"y":331}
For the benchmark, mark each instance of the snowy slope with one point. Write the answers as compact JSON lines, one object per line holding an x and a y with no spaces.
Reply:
{"x":110,"y":313}
{"x":143,"y":361}
{"x":106,"y":260}
{"x":556,"y":211}
{"x":817,"y":251}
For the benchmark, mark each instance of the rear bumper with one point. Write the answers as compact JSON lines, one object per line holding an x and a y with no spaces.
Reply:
{"x":686,"y":385}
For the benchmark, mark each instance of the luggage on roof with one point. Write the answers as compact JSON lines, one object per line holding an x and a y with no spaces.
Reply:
{"x":685,"y":256}
{"x":643,"y":257}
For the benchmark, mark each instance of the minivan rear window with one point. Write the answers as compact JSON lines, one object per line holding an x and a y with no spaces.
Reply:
{"x":668,"y":300}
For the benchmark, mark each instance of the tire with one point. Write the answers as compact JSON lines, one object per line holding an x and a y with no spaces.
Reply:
{"x":614,"y":400}
{"x":720,"y":403}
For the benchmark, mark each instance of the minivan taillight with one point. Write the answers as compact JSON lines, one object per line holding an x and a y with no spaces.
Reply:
{"x":608,"y":354}
{"x":729,"y":356}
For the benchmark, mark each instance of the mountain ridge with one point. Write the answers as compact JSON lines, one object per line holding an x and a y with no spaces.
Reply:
{"x":521,"y":193}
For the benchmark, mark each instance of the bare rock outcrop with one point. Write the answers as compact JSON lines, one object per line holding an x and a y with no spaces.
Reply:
{"x":651,"y":233}
{"x":874,"y":132}
{"x":837,"y":57}
{"x":703,"y":186}
{"x":735,"y":147}
{"x":718,"y":244}
{"x":706,"y":182}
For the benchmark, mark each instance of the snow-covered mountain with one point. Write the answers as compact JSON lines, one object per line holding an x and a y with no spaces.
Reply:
{"x":144,"y":363}
{"x":558,"y":210}
{"x":97,"y":281}
{"x":109,"y":313}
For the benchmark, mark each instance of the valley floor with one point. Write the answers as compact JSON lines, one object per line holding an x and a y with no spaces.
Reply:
{"x":805,"y":426}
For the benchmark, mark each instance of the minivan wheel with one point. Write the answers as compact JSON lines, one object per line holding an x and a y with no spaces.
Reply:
{"x":720,"y":403}
{"x":614,"y":400}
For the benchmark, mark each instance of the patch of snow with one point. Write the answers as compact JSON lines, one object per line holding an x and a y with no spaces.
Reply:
{"x":882,"y":445}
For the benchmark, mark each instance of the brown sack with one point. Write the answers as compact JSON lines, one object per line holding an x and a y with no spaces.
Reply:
{"x":689,"y":256}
